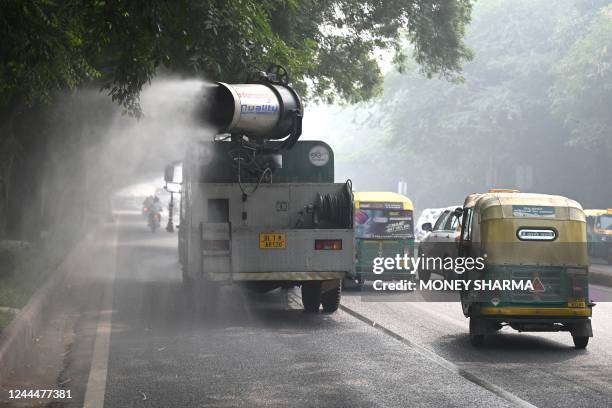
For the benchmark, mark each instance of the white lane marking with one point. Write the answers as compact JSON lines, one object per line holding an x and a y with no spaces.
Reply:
{"x":96,"y":383}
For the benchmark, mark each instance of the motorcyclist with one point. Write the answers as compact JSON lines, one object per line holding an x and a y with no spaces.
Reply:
{"x":155,"y":210}
{"x":146,"y":205}
{"x":156,"y":206}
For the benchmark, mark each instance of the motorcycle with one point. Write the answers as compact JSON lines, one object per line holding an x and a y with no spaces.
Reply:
{"x":154,"y":220}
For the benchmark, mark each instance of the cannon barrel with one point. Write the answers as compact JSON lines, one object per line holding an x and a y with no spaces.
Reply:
{"x":259,"y":110}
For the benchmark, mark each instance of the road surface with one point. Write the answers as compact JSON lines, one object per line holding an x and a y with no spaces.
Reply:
{"x":131,"y":337}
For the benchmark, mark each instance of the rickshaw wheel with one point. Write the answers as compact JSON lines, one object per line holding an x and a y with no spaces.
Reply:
{"x":424,"y":275}
{"x":477,"y":340}
{"x":580,"y":342}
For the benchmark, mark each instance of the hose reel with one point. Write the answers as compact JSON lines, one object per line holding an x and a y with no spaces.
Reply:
{"x":335,"y":209}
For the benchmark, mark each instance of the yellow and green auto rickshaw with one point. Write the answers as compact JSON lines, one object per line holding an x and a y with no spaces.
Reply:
{"x":525,"y":238}
{"x":383,"y":228}
{"x":599,"y":233}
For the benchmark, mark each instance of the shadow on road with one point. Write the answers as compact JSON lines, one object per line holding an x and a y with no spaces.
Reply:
{"x":507,"y":348}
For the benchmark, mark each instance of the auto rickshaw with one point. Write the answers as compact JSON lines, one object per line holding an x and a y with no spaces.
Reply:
{"x":384,"y":227}
{"x":527,"y":237}
{"x":599,"y":233}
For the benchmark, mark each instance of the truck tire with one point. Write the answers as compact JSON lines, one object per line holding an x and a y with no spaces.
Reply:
{"x":330,"y":299}
{"x":580,"y":342}
{"x":311,"y":296}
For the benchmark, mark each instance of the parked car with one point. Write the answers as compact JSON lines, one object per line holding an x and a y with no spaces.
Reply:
{"x":440,"y":242}
{"x":428,"y":215}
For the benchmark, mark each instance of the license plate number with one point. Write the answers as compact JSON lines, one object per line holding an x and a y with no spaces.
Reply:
{"x":272,"y":241}
{"x":576,"y":303}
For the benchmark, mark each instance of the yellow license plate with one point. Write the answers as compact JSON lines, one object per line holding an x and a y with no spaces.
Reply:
{"x":576,"y":303}
{"x":272,"y":241}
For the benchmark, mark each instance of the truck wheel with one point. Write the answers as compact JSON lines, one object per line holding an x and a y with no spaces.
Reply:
{"x":311,"y":296}
{"x":476,"y":339}
{"x":580,"y":342}
{"x":330,"y":299}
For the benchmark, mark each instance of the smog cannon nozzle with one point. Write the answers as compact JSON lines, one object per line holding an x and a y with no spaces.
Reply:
{"x":268,"y":109}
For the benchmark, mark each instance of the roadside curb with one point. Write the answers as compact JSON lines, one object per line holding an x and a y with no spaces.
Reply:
{"x":17,"y":339}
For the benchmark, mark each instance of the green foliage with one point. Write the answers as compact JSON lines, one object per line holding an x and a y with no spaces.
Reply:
{"x":534,"y":107}
{"x":582,"y":92}
{"x":40,"y":51}
{"x":121,"y":45}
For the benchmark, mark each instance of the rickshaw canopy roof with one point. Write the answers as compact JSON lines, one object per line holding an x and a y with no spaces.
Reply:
{"x":382,"y":197}
{"x":510,"y":205}
{"x":595,"y":213}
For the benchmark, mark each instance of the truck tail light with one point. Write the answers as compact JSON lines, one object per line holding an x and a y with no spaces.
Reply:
{"x":328,"y":244}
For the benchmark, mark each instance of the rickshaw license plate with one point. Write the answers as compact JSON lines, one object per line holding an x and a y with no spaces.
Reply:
{"x":576,"y":303}
{"x":272,"y":241}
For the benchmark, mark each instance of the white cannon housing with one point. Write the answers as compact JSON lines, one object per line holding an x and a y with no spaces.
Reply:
{"x":265,"y":110}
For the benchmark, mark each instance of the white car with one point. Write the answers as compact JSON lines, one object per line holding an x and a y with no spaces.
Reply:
{"x":441,"y":240}
{"x":428,"y":215}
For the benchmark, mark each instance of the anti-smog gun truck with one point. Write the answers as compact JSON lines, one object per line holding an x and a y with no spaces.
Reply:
{"x":258,"y":207}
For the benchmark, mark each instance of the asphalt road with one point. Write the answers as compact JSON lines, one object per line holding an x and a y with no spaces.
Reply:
{"x":252,"y":350}
{"x":138,"y":341}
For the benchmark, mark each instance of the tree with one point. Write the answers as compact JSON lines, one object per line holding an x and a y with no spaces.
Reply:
{"x":532,"y":112}
{"x":52,"y":46}
{"x":49,"y":48}
{"x":582,"y":91}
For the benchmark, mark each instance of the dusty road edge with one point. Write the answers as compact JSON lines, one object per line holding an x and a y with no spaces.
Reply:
{"x":96,"y":382}
{"x":17,"y":339}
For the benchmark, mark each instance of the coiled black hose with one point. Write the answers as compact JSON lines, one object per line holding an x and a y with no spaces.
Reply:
{"x":335,"y":208}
